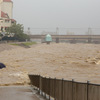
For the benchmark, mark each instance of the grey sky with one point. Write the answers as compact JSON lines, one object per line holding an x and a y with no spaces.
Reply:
{"x":57,"y":13}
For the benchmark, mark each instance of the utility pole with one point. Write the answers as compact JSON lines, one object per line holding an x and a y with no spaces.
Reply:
{"x":57,"y":31}
{"x":28,"y":31}
{"x":89,"y":31}
{"x":89,"y":35}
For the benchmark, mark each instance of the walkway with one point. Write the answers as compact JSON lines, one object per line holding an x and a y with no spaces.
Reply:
{"x":17,"y":93}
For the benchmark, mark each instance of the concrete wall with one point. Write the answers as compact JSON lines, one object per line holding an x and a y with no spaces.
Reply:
{"x":7,"y":8}
{"x":0,"y":13}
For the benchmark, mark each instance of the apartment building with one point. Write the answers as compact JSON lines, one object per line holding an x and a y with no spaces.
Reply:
{"x":6,"y":14}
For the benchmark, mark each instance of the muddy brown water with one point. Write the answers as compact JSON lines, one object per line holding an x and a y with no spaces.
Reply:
{"x":80,"y":62}
{"x":17,"y":93}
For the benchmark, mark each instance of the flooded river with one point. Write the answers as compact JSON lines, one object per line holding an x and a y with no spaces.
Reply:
{"x":80,"y":62}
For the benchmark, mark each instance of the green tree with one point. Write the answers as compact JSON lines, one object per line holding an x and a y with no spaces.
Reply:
{"x":18,"y":30}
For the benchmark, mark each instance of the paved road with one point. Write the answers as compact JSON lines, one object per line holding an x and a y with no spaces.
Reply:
{"x":17,"y":93}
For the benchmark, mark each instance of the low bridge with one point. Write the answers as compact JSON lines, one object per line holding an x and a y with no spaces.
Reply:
{"x":69,"y":38}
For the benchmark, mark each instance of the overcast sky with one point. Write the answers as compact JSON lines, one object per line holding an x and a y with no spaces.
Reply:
{"x":57,"y":13}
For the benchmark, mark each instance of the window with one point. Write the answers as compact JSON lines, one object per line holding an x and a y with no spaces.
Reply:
{"x":6,"y":28}
{"x":7,"y":21}
{"x":1,"y":28}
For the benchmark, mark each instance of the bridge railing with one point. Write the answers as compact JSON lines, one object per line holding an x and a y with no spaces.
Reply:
{"x":60,"y":89}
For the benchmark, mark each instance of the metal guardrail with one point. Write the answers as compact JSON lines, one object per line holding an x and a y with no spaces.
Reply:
{"x":60,"y":89}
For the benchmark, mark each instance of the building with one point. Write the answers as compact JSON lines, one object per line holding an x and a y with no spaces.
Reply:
{"x":6,"y":14}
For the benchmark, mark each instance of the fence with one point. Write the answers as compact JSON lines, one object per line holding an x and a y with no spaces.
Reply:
{"x":66,"y":90}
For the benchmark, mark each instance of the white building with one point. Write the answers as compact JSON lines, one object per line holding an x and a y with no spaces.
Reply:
{"x":6,"y":13}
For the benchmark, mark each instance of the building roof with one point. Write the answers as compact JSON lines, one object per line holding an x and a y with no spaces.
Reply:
{"x":7,"y":1}
{"x":13,"y":20}
{"x":4,"y":15}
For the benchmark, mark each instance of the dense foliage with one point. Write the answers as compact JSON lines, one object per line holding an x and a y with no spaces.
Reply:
{"x":18,"y":31}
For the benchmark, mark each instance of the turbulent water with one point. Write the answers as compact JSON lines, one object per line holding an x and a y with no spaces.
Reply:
{"x":69,"y":61}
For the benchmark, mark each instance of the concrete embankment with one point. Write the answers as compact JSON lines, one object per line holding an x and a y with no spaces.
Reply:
{"x":17,"y":93}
